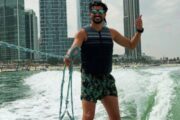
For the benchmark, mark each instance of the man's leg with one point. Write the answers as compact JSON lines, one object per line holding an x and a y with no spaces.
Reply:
{"x":112,"y":107}
{"x":88,"y":110}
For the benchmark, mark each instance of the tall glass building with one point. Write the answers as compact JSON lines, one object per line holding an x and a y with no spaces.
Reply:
{"x":131,"y":12}
{"x":53,"y":23}
{"x":12,"y":28}
{"x":31,"y":33}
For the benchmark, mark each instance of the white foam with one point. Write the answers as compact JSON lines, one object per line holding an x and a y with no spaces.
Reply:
{"x":164,"y":87}
{"x":136,"y":88}
{"x":43,"y":104}
{"x":44,"y":101}
{"x":133,"y":90}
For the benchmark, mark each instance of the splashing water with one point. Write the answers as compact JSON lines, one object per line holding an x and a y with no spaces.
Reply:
{"x":144,"y":94}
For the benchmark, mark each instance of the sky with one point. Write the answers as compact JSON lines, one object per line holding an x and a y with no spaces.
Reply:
{"x":161,"y":20}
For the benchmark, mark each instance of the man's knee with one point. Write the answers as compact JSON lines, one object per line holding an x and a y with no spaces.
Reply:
{"x":88,"y":116}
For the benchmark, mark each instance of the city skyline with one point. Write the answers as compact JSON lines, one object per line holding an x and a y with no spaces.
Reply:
{"x":161,"y":23}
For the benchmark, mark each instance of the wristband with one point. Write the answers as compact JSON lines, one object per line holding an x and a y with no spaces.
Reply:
{"x":67,"y":56}
{"x":140,"y":31}
{"x":73,"y":53}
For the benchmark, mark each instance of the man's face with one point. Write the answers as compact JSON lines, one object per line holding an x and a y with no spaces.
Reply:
{"x":97,"y":14}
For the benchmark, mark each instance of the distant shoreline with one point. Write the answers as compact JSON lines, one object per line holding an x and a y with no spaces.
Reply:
{"x":60,"y":67}
{"x":31,"y":68}
{"x":145,"y":65}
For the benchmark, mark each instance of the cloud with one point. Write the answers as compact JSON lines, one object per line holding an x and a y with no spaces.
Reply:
{"x":115,"y":20}
{"x":115,"y":17}
{"x":161,"y":24}
{"x":166,"y":6}
{"x":72,"y":17}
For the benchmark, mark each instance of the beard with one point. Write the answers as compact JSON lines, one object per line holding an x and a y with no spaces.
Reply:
{"x":97,"y":20}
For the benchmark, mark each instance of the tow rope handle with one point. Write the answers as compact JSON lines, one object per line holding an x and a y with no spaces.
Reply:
{"x":74,"y":53}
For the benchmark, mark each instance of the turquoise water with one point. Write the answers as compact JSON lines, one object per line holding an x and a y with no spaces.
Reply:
{"x":144,"y":94}
{"x":174,"y":112}
{"x":12,"y":86}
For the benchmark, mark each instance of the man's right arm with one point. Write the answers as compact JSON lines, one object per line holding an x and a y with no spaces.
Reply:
{"x":78,"y":40}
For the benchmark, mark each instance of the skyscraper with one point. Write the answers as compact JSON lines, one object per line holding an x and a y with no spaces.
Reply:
{"x":131,"y":12}
{"x":12,"y":28}
{"x":53,"y":23}
{"x":31,"y":33}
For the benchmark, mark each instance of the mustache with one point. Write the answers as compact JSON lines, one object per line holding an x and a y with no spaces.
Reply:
{"x":98,"y":16}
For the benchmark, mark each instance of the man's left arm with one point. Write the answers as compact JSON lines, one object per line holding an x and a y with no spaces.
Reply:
{"x":126,"y":42}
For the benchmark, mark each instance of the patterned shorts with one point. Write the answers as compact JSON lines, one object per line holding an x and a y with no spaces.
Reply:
{"x":95,"y":87}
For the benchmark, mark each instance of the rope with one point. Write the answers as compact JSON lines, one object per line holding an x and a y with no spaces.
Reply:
{"x":5,"y":44}
{"x":68,"y":94}
{"x":73,"y":54}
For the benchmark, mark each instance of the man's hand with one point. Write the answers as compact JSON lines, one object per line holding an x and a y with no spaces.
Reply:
{"x":139,"y":23}
{"x":67,"y":60}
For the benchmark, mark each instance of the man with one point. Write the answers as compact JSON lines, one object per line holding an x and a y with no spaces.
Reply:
{"x":96,"y":43}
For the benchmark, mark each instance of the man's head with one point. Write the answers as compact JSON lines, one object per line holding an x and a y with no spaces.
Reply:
{"x":97,"y":11}
{"x":98,"y":3}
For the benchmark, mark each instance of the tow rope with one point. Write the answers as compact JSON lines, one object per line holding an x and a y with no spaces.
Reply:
{"x":74,"y":53}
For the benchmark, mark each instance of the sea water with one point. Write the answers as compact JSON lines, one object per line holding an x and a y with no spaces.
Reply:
{"x":144,"y":94}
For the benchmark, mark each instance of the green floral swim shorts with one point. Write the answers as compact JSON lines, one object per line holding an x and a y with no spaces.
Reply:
{"x":95,"y":87}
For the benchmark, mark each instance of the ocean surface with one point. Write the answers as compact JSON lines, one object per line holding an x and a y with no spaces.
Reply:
{"x":144,"y":94}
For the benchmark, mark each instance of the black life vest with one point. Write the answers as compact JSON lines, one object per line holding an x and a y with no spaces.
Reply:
{"x":96,"y":51}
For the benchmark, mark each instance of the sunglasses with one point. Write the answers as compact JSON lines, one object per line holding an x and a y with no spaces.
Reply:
{"x":100,"y":11}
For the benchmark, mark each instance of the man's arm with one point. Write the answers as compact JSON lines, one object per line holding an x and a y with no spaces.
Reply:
{"x":78,"y":40}
{"x":126,"y":42}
